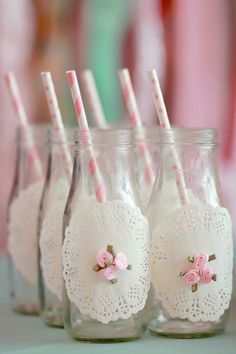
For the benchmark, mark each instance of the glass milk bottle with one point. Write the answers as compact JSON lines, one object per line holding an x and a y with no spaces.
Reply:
{"x":106,"y":246}
{"x":23,"y":218}
{"x":191,"y":238}
{"x":56,"y":188}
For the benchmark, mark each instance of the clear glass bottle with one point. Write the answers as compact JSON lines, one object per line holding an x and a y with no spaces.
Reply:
{"x":102,"y":307}
{"x":22,"y":221}
{"x":191,"y":241}
{"x":56,"y":188}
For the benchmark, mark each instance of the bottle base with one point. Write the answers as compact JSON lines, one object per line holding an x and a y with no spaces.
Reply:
{"x":52,"y":318}
{"x":106,"y":340}
{"x":181,"y":329}
{"x":27,"y":310}
{"x":109,"y":334}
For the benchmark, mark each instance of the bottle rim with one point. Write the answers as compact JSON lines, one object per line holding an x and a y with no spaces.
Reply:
{"x":38,"y":132}
{"x":189,"y":136}
{"x":67,"y":138}
{"x":104,"y":137}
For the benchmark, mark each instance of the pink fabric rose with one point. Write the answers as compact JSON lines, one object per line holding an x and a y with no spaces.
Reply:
{"x":109,"y":273}
{"x":206,"y":275}
{"x":104,"y":258}
{"x":191,"y":277}
{"x":121,"y":261}
{"x":200,"y":261}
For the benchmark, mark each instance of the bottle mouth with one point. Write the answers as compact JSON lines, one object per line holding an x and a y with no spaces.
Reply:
{"x":108,"y":137}
{"x":44,"y":134}
{"x":120,"y":137}
{"x":36,"y":131}
{"x":66,"y":137}
{"x":188,"y":136}
{"x":150,"y":134}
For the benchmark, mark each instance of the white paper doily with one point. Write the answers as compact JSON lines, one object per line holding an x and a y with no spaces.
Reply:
{"x":187,"y":232}
{"x":92,"y":227}
{"x":22,"y":231}
{"x":50,"y":248}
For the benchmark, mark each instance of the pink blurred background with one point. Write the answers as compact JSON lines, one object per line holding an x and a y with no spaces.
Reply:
{"x":192,"y":44}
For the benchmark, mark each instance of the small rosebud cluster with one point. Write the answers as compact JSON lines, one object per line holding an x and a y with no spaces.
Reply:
{"x":199,"y":272}
{"x":109,"y":263}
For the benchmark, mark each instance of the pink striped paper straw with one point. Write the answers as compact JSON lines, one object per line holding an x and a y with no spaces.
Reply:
{"x":93,"y":99}
{"x":135,"y":121}
{"x":165,"y":124}
{"x":20,"y":112}
{"x":86,"y":137}
{"x":57,"y":121}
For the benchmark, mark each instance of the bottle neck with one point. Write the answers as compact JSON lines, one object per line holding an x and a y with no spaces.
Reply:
{"x":59,"y":170}
{"x":32,"y":154}
{"x":116,"y":167}
{"x":26,"y":172}
{"x":60,"y":156}
{"x":196,"y":165}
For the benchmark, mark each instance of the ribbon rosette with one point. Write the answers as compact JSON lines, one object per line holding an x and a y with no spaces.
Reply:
{"x":199,"y":272}
{"x":109,"y":263}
